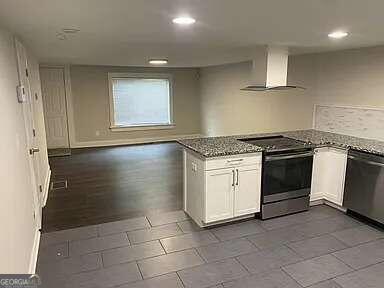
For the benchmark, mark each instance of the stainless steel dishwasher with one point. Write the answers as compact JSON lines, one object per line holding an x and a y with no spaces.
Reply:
{"x":364,"y":185}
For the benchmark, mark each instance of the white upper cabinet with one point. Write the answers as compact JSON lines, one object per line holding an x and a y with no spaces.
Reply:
{"x":328,"y":177}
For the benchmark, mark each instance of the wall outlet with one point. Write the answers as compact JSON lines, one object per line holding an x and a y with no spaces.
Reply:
{"x":97,"y":133}
{"x":194,"y":167}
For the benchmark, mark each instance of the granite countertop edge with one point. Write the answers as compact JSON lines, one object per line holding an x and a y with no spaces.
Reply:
{"x":209,"y":147}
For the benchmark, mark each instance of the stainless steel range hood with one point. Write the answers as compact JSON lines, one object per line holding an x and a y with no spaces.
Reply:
{"x":269,"y":70}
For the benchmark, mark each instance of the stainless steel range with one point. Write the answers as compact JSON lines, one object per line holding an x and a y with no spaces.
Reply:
{"x":287,"y":175}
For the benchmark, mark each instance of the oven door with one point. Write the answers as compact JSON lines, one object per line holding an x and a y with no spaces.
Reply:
{"x":287,"y":176}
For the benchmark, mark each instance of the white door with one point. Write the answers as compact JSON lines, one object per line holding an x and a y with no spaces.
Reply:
{"x":247,"y":190}
{"x":32,"y":141}
{"x":219,"y":194}
{"x":55,"y":106}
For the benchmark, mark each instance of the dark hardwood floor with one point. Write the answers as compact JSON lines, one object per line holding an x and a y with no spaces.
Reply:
{"x":114,"y":183}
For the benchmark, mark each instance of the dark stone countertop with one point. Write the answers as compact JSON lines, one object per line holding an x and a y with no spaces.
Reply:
{"x":230,"y":145}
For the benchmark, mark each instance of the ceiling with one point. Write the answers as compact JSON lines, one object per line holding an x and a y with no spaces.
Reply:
{"x":129,"y":32}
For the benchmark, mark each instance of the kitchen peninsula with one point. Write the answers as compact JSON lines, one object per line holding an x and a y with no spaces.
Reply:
{"x":224,"y":178}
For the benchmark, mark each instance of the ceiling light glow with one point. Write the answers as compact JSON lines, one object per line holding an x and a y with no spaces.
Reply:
{"x":337,"y":34}
{"x":184,"y":20}
{"x":158,"y":61}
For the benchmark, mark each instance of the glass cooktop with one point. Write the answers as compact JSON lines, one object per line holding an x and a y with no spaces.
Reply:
{"x":276,"y":143}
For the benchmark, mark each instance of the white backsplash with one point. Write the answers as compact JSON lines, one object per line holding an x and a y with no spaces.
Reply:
{"x":353,"y":121}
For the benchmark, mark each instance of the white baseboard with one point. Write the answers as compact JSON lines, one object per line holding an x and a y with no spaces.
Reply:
{"x":316,"y":202}
{"x":46,"y":187}
{"x":326,"y":202}
{"x":101,"y":143}
{"x":34,"y":253}
{"x":317,"y":196}
{"x":341,"y":208}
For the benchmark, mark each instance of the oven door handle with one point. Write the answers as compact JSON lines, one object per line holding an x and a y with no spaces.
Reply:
{"x":290,"y":156}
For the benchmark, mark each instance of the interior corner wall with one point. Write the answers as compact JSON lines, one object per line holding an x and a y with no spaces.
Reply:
{"x":226,"y":110}
{"x":16,"y":215}
{"x":90,"y":93}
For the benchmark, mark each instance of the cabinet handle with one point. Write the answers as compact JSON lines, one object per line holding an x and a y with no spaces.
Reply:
{"x":235,"y":160}
{"x":233,"y":178}
{"x":237,"y":177}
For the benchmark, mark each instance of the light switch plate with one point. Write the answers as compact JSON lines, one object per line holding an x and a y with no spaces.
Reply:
{"x":21,"y":95}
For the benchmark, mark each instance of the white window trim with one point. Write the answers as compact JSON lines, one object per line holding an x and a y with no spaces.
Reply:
{"x":120,"y":128}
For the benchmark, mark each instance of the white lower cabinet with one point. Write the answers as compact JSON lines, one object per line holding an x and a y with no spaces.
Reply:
{"x":219,"y":197}
{"x":221,"y":189}
{"x":247,"y":190}
{"x":328,"y":176}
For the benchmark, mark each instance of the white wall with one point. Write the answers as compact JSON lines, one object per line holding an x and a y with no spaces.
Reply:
{"x":346,"y":78}
{"x":16,"y":213}
{"x":226,"y":110}
{"x":350,"y":77}
{"x":90,"y":93}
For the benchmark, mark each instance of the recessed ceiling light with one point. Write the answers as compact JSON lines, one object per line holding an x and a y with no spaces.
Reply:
{"x":184,"y":20}
{"x":338,"y":34}
{"x":158,"y":61}
{"x":70,"y":30}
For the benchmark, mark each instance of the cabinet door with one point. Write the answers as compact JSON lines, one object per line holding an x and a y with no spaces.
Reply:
{"x":328,"y":175}
{"x":319,"y":177}
{"x":219,"y":194}
{"x":337,"y":163}
{"x":247,"y":190}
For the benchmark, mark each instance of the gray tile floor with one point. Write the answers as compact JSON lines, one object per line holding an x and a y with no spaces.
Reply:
{"x":321,"y":248}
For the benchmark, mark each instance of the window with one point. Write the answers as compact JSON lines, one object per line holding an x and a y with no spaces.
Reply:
{"x":140,"y":101}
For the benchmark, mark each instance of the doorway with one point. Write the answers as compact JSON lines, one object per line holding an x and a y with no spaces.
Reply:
{"x":55,"y":110}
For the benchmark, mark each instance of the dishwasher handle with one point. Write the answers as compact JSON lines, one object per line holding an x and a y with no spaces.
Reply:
{"x":370,"y":162}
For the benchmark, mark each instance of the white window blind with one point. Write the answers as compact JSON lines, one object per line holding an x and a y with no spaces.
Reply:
{"x":140,"y":101}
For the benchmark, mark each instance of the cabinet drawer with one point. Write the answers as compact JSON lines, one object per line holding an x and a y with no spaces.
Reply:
{"x":233,"y":161}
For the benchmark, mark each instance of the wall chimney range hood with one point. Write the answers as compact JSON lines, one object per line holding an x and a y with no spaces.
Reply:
{"x":269,"y":70}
